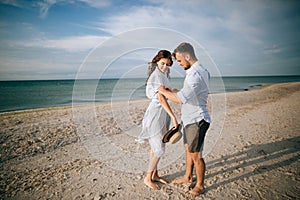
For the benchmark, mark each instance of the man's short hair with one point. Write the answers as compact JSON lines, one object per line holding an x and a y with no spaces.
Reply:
{"x":184,"y":48}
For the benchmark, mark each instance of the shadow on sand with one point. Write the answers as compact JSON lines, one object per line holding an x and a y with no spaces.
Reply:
{"x":259,"y":158}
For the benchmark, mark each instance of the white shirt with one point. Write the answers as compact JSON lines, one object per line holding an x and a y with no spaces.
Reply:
{"x":194,"y":95}
{"x":156,"y":120}
{"x":156,"y":79}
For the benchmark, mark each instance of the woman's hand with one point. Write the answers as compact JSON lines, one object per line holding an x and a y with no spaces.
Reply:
{"x":174,"y":121}
{"x":167,"y":108}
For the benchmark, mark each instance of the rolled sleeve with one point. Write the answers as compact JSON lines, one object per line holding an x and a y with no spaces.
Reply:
{"x":181,"y":96}
{"x":188,"y":90}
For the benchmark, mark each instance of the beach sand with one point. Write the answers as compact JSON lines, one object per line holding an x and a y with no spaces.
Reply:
{"x":89,"y":152}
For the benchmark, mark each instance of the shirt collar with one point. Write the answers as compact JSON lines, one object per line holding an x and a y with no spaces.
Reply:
{"x":192,"y":67}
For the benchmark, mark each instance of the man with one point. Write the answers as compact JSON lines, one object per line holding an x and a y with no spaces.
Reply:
{"x":194,"y":114}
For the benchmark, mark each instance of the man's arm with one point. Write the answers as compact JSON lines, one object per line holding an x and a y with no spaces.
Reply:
{"x":172,"y":96}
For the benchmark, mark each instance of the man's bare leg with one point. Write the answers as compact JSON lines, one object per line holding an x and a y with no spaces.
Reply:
{"x":188,"y":177}
{"x":200,"y":174}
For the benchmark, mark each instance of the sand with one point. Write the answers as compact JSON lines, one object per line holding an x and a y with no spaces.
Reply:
{"x":88,"y":152}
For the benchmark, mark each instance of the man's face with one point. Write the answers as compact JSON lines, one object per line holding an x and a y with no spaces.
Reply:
{"x":182,"y":60}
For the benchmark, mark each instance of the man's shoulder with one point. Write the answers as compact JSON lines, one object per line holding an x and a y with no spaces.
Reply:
{"x":196,"y":75}
{"x":194,"y":72}
{"x":200,"y":70}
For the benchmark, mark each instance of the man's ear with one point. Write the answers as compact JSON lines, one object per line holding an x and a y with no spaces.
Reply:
{"x":187,"y":57}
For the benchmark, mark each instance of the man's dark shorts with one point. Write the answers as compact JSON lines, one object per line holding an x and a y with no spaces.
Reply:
{"x":194,"y":134}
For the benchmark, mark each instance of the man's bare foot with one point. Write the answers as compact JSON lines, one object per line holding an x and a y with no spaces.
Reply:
{"x":196,"y":191}
{"x":159,"y":179}
{"x":151,"y":184}
{"x":182,"y":180}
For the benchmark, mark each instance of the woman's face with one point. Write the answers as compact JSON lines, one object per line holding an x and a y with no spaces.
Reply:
{"x":163,"y":64}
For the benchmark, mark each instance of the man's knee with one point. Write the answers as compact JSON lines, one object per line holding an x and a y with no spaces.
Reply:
{"x":195,"y":155}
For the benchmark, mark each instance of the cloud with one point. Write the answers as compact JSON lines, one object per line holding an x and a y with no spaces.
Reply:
{"x":69,"y":44}
{"x":224,"y":29}
{"x":45,"y":5}
{"x":45,"y":58}
{"x":273,"y":50}
{"x":15,"y":3}
{"x":134,"y":17}
{"x":40,"y":67}
{"x":97,"y":3}
{"x":216,"y":21}
{"x":241,"y":36}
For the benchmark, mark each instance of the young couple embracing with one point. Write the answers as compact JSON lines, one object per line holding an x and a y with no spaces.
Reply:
{"x":195,"y":119}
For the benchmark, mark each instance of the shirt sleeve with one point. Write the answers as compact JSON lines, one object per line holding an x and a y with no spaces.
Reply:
{"x":154,"y":82}
{"x":190,"y":88}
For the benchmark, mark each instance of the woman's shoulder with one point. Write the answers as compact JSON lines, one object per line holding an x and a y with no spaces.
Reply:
{"x":158,"y":78}
{"x":156,"y":74}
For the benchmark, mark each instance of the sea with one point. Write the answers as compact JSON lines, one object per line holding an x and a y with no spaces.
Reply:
{"x":34,"y":94}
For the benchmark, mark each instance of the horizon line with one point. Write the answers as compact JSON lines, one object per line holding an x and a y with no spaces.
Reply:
{"x":116,"y":78}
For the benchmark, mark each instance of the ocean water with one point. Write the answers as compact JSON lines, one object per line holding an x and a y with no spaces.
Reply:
{"x":21,"y":95}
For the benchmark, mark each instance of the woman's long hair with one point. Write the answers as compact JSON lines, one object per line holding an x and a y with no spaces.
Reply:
{"x":153,"y":64}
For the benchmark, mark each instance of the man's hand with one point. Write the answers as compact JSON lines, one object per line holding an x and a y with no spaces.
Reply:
{"x":161,"y":88}
{"x":169,"y":94}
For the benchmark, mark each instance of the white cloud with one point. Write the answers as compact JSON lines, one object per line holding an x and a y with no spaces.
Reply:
{"x":97,"y":3}
{"x":70,"y":44}
{"x":273,"y":50}
{"x":47,"y":4}
{"x":195,"y":18}
{"x":135,"y":17}
{"x":237,"y":34}
{"x":38,"y":68}
{"x":222,"y":28}
{"x":12,"y":3}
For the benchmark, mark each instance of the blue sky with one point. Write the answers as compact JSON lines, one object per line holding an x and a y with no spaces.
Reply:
{"x":52,"y":39}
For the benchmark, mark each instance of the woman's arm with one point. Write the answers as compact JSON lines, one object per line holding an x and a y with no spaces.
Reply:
{"x":164,"y":103}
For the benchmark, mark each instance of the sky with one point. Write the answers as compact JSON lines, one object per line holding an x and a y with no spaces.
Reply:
{"x":67,"y":39}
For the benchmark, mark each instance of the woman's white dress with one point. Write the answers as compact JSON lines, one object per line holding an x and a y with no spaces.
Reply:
{"x":156,"y":120}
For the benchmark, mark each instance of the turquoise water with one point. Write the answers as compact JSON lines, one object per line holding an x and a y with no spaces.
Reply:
{"x":20,"y":95}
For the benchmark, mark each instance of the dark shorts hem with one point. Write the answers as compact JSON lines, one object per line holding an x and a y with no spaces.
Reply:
{"x":194,"y":134}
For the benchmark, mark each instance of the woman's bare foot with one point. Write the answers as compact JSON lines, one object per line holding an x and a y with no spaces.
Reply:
{"x":182,"y":180}
{"x":155,"y":177}
{"x":151,"y":184}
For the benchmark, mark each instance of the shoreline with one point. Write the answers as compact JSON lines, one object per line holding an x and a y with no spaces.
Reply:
{"x":58,"y":107}
{"x":44,"y":156}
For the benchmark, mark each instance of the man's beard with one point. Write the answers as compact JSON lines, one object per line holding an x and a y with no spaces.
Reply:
{"x":188,"y":66}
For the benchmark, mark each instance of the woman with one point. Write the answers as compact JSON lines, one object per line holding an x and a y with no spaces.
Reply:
{"x":156,"y":120}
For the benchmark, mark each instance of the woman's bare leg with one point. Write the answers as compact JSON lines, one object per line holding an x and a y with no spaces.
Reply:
{"x":156,"y":177}
{"x":151,"y":170}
